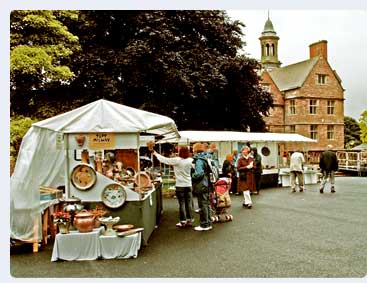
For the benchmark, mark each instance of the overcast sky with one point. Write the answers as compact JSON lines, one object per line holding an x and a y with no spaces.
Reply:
{"x":345,"y":31}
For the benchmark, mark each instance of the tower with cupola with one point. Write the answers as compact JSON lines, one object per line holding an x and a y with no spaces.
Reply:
{"x":269,"y":47}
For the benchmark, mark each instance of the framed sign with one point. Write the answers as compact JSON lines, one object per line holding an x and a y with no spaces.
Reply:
{"x":101,"y":141}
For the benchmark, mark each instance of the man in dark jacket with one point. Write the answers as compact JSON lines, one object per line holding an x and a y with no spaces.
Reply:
{"x":328,"y":165}
{"x":201,"y":186}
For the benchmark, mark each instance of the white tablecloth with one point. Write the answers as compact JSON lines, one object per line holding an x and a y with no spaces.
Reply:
{"x":120,"y":247}
{"x":92,"y":245}
{"x":77,"y":246}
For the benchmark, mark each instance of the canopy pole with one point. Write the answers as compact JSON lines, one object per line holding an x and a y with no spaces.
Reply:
{"x":67,"y":178}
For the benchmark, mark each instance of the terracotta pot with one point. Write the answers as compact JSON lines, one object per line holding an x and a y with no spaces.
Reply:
{"x":80,"y":140}
{"x":84,"y":221}
{"x":85,"y":156}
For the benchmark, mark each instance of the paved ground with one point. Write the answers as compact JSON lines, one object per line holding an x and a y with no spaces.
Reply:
{"x":286,"y":234}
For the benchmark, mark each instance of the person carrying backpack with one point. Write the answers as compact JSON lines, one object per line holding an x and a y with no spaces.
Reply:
{"x":201,"y":186}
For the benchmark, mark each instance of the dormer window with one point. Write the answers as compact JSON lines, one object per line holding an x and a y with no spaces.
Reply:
{"x":321,"y":79}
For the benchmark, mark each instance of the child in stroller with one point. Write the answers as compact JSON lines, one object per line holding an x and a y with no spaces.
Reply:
{"x":220,"y":201}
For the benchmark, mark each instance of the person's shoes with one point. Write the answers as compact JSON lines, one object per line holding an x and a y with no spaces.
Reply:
{"x":188,"y":224}
{"x":244,"y":204}
{"x":321,"y":191}
{"x":332,"y":190}
{"x":181,"y":224}
{"x":197,"y":210}
{"x":237,"y":194}
{"x":293,"y":190}
{"x":249,"y":206}
{"x":301,"y":190}
{"x":255,"y":193}
{"x":199,"y":228}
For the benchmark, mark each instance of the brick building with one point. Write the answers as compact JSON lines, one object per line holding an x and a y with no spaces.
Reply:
{"x":308,"y":95}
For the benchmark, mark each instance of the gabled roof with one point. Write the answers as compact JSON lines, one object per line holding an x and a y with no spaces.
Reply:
{"x":292,"y":76}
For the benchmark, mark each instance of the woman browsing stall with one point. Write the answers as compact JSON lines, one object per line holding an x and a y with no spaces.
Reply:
{"x":182,"y":168}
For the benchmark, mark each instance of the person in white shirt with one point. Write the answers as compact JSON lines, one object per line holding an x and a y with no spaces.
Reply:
{"x":182,"y":169}
{"x":296,"y":170}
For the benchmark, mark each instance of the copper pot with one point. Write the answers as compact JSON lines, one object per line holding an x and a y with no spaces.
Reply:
{"x":84,"y":221}
{"x":80,"y":140}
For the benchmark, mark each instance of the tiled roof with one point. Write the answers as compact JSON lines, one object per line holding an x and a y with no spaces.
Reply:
{"x":292,"y":76}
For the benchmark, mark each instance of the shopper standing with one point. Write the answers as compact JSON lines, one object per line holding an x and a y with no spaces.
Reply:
{"x":246,"y":181}
{"x":328,"y":165}
{"x":296,"y":170}
{"x":201,"y":186}
{"x":182,"y":166}
{"x":258,"y":170}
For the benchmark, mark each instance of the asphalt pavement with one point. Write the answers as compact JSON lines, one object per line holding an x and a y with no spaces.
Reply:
{"x":284,"y":235}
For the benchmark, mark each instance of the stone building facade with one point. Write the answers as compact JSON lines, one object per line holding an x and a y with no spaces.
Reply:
{"x":308,"y":95}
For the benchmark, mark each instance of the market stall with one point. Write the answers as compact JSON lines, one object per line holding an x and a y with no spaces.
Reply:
{"x":267,"y":145}
{"x":93,"y":151}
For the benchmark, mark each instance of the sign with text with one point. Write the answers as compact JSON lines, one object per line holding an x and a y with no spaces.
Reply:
{"x":101,"y":141}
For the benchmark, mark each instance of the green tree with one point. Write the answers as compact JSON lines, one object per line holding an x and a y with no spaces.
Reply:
{"x":40,"y":50}
{"x":352,"y":132}
{"x":183,"y":64}
{"x":363,"y":126}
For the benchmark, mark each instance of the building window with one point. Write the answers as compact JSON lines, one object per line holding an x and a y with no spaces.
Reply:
{"x":292,"y":107}
{"x":292,"y":129}
{"x":330,"y":107}
{"x":313,"y":106}
{"x":330,"y":132}
{"x":321,"y":79}
{"x":313,"y":132}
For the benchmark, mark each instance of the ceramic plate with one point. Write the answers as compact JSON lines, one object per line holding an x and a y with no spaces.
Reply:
{"x":114,"y":195}
{"x":142,"y":180}
{"x":83,"y":177}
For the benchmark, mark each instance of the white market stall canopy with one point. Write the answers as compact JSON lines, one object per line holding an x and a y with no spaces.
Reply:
{"x":106,"y":116}
{"x":41,"y":159}
{"x":219,"y":136}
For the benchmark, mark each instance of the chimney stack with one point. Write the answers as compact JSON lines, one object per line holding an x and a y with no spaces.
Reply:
{"x":319,"y":49}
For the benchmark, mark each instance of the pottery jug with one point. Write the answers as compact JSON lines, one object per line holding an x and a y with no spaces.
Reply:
{"x":80,"y":140}
{"x":84,"y":221}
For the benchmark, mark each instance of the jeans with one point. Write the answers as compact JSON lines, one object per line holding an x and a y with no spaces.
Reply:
{"x":184,"y":197}
{"x":204,"y":205}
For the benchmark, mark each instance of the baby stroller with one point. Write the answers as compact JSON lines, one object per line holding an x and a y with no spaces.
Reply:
{"x":220,"y":201}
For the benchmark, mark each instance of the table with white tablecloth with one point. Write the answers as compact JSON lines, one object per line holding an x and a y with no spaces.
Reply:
{"x":120,"y":247}
{"x":93,"y":245}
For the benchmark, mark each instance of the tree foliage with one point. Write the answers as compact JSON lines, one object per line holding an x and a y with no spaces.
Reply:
{"x":183,"y":64}
{"x":363,"y":126}
{"x":40,"y":48}
{"x":352,"y":132}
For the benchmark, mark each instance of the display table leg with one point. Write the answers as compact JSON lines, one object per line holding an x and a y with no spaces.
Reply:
{"x":35,"y":234}
{"x":45,"y":222}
